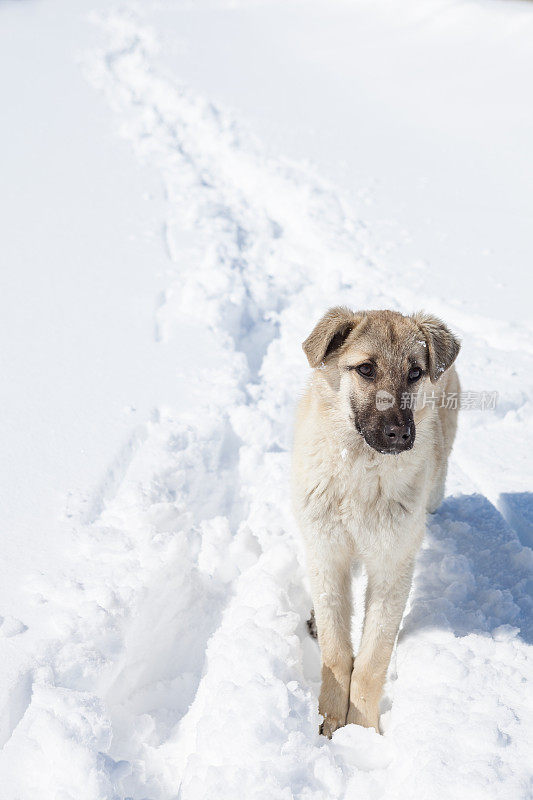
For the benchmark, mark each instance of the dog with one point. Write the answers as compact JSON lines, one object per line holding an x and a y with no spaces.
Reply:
{"x":373,"y":433}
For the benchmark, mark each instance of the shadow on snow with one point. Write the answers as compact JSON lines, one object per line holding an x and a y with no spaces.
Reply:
{"x":474,"y":573}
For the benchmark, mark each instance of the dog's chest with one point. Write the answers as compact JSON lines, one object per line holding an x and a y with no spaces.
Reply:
{"x":377,"y":504}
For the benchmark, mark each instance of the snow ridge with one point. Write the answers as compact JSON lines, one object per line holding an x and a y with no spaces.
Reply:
{"x":180,"y":666}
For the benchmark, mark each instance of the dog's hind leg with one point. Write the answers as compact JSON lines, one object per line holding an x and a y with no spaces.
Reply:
{"x":436,"y":496}
{"x":311,"y":625}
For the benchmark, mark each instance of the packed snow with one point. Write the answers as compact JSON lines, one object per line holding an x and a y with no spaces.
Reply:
{"x":189,"y":187}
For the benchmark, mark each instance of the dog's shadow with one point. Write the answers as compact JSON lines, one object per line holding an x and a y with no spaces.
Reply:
{"x":475,"y":571}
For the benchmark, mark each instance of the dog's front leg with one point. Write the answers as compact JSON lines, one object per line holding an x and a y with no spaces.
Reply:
{"x":331,"y":593}
{"x":386,"y":596}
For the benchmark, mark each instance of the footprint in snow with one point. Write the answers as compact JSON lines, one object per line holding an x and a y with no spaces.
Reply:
{"x":11,"y":626}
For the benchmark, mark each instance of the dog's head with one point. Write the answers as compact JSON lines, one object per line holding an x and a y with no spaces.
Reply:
{"x":375,"y":362}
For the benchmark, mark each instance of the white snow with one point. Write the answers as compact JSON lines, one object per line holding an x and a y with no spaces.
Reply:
{"x":272,"y":159}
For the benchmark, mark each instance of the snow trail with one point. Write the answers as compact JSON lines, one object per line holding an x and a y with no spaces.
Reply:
{"x":180,"y":666}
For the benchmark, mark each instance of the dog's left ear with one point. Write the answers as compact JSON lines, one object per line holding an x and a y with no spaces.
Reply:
{"x":443,"y":347}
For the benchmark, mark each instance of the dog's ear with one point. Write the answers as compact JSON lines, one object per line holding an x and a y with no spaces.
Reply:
{"x":442,"y":346}
{"x":329,"y":334}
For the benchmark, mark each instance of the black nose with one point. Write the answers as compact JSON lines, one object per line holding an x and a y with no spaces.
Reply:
{"x":397,"y":434}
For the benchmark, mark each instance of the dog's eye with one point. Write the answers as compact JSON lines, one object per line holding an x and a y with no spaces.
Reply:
{"x":414,"y":374}
{"x":366,"y":370}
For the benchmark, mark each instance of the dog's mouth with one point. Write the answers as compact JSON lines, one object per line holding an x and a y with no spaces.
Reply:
{"x":395,"y":450}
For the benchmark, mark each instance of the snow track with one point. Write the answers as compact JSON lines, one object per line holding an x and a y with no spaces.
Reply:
{"x":180,"y":665}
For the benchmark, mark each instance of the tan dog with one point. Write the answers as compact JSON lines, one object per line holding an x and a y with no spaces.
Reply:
{"x":366,"y":469}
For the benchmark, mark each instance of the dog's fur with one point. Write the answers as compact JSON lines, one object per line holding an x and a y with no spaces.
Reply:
{"x":361,"y":492}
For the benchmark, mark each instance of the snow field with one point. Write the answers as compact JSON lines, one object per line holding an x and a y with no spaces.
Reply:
{"x":177,"y":662}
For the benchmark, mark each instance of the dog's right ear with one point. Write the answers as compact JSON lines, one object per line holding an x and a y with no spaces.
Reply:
{"x":329,"y":334}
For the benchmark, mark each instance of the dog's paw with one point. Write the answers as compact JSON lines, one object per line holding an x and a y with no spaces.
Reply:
{"x":363,"y":714}
{"x":329,"y":726}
